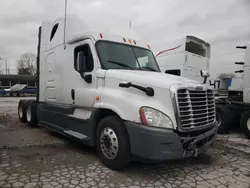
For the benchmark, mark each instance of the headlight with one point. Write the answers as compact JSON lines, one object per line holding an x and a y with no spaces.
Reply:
{"x":152,"y":117}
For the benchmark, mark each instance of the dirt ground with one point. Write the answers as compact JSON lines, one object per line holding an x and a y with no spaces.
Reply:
{"x":36,"y":157}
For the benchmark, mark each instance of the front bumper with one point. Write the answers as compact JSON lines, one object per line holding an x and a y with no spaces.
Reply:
{"x":163,"y":144}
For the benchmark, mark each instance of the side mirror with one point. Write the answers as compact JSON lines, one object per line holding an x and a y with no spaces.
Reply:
{"x":205,"y":74}
{"x":81,"y":62}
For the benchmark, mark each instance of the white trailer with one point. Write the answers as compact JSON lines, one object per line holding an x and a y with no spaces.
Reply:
{"x":235,"y":108}
{"x":185,"y":57}
{"x":107,"y":91}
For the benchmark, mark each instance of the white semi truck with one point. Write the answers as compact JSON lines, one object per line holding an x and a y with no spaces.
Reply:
{"x":235,"y":108}
{"x":185,"y":57}
{"x":107,"y":91}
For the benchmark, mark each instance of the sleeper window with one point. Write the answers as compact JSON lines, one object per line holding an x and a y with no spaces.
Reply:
{"x":53,"y":32}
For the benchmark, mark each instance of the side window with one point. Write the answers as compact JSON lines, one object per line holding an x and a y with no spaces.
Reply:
{"x":87,"y":55}
{"x":53,"y":31}
{"x":176,"y":72}
{"x":23,"y":82}
{"x":6,"y":83}
{"x":31,"y":83}
{"x":14,"y":82}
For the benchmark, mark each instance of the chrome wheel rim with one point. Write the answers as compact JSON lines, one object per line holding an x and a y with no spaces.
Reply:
{"x":28,"y":113}
{"x":109,"y":143}
{"x":20,"y":112}
{"x":218,"y":119}
{"x":248,"y":124}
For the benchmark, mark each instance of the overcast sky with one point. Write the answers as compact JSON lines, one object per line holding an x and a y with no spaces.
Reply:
{"x":223,"y":23}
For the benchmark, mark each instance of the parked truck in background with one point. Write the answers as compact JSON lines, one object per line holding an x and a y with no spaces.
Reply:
{"x":185,"y":57}
{"x":107,"y":91}
{"x":235,"y":108}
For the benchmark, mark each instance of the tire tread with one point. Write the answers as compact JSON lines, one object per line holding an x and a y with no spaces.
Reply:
{"x":123,"y":157}
{"x":243,"y":123}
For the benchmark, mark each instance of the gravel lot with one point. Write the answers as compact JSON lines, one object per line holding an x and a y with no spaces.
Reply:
{"x":36,"y":157}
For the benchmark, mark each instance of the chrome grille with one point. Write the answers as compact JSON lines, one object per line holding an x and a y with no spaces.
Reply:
{"x":196,"y":108}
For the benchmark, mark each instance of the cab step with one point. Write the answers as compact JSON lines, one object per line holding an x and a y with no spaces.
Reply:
{"x":76,"y":135}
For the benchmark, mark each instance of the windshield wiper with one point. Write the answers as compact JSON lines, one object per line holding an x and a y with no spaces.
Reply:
{"x":149,"y":69}
{"x":121,"y":64}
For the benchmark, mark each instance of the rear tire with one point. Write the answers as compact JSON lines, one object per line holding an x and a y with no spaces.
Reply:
{"x":112,"y":143}
{"x":223,"y":118}
{"x":14,"y":94}
{"x":245,"y":123}
{"x":22,"y":110}
{"x":31,"y":113}
{"x":21,"y":94}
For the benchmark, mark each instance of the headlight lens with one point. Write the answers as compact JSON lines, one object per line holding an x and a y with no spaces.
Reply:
{"x":152,"y":117}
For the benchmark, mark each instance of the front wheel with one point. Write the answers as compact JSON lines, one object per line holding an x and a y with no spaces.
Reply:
{"x":31,"y":113}
{"x":22,"y":111}
{"x":245,"y":123}
{"x":223,"y":117}
{"x":112,"y":143}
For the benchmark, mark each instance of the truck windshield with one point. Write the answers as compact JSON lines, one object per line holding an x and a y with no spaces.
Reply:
{"x":121,"y":56}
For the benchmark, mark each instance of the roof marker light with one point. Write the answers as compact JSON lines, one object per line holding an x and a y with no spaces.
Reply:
{"x":134,"y":42}
{"x":129,"y":41}
{"x":124,"y":39}
{"x":101,"y":36}
{"x":148,"y":46}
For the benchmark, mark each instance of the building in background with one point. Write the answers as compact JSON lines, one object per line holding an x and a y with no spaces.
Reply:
{"x":6,"y":81}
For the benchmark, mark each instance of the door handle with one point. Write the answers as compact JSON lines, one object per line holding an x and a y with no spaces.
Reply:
{"x":73,"y":94}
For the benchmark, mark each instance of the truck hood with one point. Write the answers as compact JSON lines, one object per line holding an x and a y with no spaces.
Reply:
{"x":148,"y":78}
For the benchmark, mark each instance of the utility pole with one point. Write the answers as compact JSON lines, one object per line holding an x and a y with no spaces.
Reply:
{"x":6,"y":65}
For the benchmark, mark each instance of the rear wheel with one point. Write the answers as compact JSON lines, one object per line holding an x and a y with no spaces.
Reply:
{"x":22,"y":110}
{"x":245,"y":123}
{"x":223,"y":118}
{"x":113,"y":143}
{"x":14,"y":94}
{"x":21,"y":94}
{"x":31,"y":113}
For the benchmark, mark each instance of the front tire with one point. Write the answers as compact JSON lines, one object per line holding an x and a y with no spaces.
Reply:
{"x":112,"y":143}
{"x":31,"y":113}
{"x":223,"y":118}
{"x":245,"y":123}
{"x":22,"y":111}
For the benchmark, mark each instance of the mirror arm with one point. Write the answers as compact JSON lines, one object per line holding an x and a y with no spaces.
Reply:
{"x":87,"y":78}
{"x":205,"y":80}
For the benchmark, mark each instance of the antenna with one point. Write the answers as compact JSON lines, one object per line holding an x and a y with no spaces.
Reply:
{"x":65,"y":19}
{"x":130,"y":24}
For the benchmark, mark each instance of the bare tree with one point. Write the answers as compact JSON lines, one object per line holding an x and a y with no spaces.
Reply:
{"x":27,"y":64}
{"x":226,"y":76}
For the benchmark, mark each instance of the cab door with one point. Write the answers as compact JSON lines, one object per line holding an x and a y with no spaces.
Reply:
{"x":84,"y":86}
